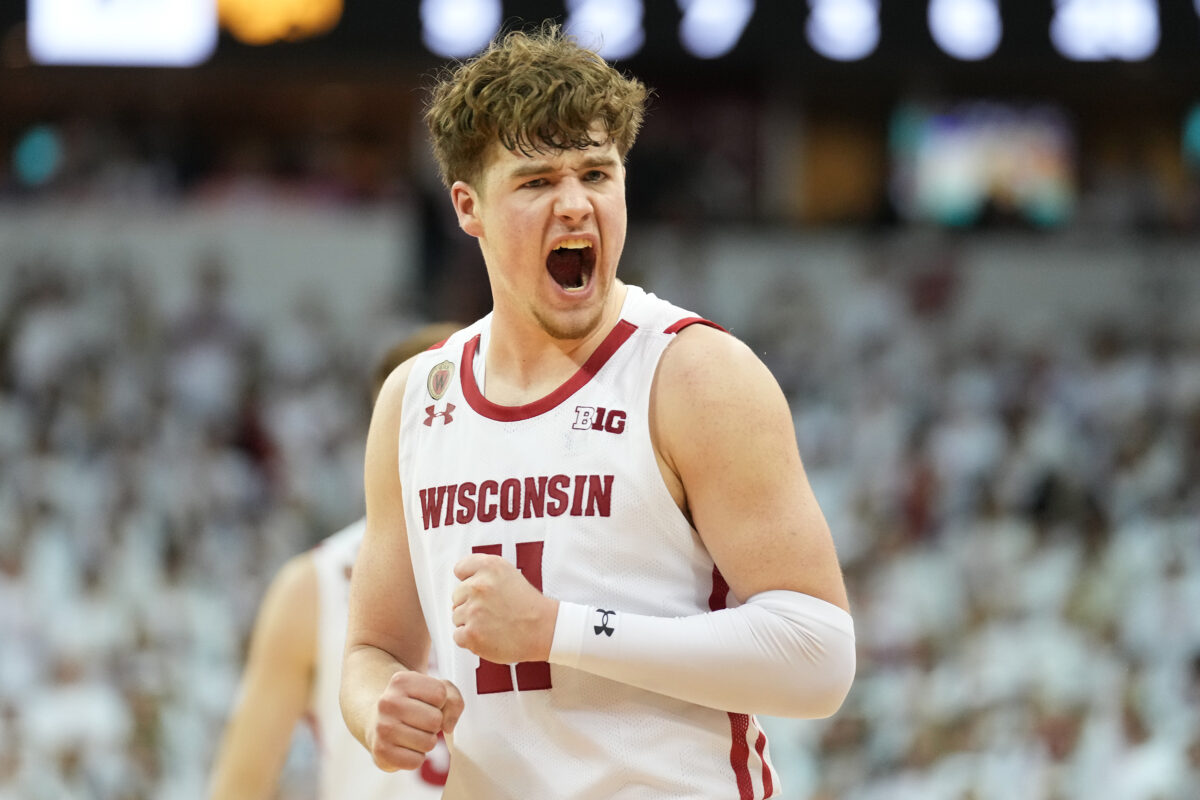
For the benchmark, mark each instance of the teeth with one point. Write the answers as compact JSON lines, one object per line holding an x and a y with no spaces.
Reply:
{"x":573,"y":244}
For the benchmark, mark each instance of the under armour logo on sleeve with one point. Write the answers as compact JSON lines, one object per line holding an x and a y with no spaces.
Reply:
{"x":604,"y":627}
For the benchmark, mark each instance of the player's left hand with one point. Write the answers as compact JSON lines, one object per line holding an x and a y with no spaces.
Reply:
{"x":498,"y":614}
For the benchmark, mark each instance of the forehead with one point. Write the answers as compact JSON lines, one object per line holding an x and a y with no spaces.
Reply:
{"x":501,"y":162}
{"x":512,"y":163}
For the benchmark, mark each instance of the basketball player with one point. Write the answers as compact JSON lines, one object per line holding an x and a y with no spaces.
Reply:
{"x":590,"y":501}
{"x":294,"y":669}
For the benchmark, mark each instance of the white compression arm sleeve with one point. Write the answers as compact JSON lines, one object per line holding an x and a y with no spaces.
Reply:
{"x":782,"y":653}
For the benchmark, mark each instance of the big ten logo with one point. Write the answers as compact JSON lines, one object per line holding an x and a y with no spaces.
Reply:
{"x":599,"y":419}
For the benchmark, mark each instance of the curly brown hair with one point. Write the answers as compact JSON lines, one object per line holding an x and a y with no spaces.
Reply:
{"x":534,"y":93}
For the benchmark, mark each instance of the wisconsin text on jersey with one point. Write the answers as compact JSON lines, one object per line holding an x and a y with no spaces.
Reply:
{"x":516,"y":498}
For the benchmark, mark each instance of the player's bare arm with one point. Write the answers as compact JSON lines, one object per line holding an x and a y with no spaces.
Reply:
{"x":726,"y":447}
{"x":390,"y":705}
{"x":726,"y":439}
{"x":276,"y":684}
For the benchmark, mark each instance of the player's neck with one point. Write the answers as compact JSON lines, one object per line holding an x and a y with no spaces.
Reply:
{"x":525,"y":362}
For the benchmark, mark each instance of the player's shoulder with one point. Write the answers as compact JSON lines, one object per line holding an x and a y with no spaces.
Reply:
{"x":448,"y":349}
{"x":700,"y":348}
{"x":394,"y":385}
{"x":704,"y":369}
{"x":294,"y":570}
{"x":290,"y":596}
{"x":390,"y":399}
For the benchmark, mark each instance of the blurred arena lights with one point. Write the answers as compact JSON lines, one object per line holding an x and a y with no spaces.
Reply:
{"x":711,"y":28}
{"x":1105,"y":30}
{"x":613,"y":27}
{"x":262,"y":22}
{"x":165,"y":33}
{"x":458,"y":28}
{"x":968,"y":30}
{"x":38,"y":155}
{"x":1191,"y":137}
{"x":843,"y":30}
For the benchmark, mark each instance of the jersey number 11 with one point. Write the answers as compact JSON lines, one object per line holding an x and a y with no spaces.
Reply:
{"x":491,"y":677}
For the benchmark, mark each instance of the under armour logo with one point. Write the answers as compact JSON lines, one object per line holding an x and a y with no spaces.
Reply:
{"x":604,"y":627}
{"x":445,"y":415}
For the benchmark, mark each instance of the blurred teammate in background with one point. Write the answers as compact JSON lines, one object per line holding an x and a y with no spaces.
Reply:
{"x":586,"y":484}
{"x":293,"y":670}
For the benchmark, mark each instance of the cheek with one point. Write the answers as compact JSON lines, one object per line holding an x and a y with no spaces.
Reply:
{"x":515,"y":243}
{"x":614,"y":226}
{"x":521,"y":232}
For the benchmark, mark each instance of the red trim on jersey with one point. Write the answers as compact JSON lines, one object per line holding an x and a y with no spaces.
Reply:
{"x":739,"y":724}
{"x":616,"y":337}
{"x":438,"y":345}
{"x":678,"y":325}
{"x":739,"y":755}
{"x":760,"y":747}
{"x":717,"y":600}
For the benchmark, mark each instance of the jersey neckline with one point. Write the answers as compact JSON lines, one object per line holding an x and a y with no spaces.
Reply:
{"x":481,"y":405}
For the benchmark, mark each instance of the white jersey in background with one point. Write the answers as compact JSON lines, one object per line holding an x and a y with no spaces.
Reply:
{"x":569,"y":489}
{"x":345,"y":767}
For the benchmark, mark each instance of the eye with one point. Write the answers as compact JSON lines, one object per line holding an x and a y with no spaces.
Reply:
{"x":536,"y":183}
{"x":595,"y":175}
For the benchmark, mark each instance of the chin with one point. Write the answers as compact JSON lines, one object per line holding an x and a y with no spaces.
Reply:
{"x":575,"y":324}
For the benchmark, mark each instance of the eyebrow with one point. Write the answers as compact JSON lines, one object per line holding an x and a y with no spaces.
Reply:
{"x":533,"y":168}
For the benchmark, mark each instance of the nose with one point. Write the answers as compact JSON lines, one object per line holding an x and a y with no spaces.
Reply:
{"x":572,"y":203}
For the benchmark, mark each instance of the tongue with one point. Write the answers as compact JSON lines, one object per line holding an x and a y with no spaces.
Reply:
{"x":566,"y":267}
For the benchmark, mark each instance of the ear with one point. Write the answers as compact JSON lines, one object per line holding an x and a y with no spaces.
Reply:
{"x":466,"y":206}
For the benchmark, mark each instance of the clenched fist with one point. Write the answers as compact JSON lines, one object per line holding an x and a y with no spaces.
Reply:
{"x":498,"y":614}
{"x":411,"y":712}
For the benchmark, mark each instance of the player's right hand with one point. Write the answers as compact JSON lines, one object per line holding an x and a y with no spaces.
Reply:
{"x":412,"y":711}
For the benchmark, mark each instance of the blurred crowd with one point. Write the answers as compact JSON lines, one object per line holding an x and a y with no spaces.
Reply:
{"x":157,"y":469}
{"x":1019,"y":525}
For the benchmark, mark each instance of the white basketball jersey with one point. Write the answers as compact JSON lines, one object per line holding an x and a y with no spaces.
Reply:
{"x":345,"y":767}
{"x":567,"y":488}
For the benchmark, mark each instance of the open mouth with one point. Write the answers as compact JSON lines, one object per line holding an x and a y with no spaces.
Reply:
{"x":571,"y":264}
